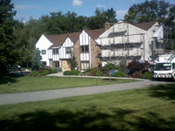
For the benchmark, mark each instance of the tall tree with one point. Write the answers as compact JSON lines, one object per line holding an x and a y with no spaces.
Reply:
{"x":170,"y":21}
{"x":26,"y":37}
{"x":8,"y":52}
{"x":101,"y":16}
{"x":97,"y":21}
{"x":111,"y":15}
{"x":36,"y":60}
{"x":148,"y":11}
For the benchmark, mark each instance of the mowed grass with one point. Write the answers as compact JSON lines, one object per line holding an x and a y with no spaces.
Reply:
{"x":28,"y":83}
{"x":147,"y":109}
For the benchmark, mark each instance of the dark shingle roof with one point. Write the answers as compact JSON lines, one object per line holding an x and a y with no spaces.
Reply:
{"x":145,"y":25}
{"x":58,"y":40}
{"x":95,"y":33}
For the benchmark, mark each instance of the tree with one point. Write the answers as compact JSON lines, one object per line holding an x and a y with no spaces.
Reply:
{"x":154,"y":10}
{"x":8,"y":50}
{"x":170,"y":21}
{"x":72,"y":62}
{"x":97,"y":21}
{"x":36,"y":60}
{"x":101,"y":16}
{"x":111,"y":15}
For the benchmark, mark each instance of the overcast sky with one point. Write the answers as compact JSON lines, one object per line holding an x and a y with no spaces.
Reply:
{"x":36,"y":8}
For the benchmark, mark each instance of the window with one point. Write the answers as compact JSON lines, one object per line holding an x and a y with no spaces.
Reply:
{"x":44,"y":63}
{"x":85,"y":49}
{"x":68,"y":50}
{"x":43,"y":52}
{"x":85,"y":65}
{"x":162,"y":66}
{"x":55,"y":51}
{"x":173,"y":65}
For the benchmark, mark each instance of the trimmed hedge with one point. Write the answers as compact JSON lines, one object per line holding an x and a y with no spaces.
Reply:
{"x":73,"y":72}
{"x":119,"y":74}
{"x":39,"y":73}
{"x":66,"y":73}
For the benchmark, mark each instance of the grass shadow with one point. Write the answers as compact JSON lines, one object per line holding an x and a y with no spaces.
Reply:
{"x":5,"y":80}
{"x":89,"y":119}
{"x":163,"y":91}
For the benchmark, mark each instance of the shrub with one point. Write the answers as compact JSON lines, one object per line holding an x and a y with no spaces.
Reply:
{"x":91,"y":71}
{"x":75,"y":72}
{"x":43,"y":69}
{"x":44,"y":72}
{"x":138,"y":66}
{"x":137,"y":74}
{"x":34,"y":73}
{"x":99,"y":73}
{"x":122,"y":65}
{"x":147,"y":75}
{"x":66,"y":73}
{"x":39,"y":73}
{"x":119,"y":74}
{"x":53,"y":71}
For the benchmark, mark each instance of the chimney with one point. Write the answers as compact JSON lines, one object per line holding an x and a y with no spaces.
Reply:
{"x":107,"y":26}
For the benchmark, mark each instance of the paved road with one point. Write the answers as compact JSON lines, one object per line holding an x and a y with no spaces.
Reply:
{"x":14,"y":98}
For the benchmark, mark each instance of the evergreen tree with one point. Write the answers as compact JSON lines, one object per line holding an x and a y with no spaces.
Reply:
{"x":36,"y":60}
{"x":8,"y":50}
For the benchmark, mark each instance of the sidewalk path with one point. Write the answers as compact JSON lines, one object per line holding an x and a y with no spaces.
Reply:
{"x":63,"y":93}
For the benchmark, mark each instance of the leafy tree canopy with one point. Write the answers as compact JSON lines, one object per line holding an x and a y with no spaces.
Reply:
{"x":154,"y":10}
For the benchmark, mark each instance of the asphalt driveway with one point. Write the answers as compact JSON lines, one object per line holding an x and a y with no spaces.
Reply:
{"x":14,"y":98}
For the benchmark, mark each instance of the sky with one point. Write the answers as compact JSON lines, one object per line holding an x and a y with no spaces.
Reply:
{"x":36,"y":8}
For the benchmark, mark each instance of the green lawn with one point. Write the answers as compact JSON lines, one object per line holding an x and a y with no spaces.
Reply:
{"x":147,"y":109}
{"x":28,"y":83}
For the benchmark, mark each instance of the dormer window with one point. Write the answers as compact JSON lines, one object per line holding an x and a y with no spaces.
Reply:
{"x":43,"y":52}
{"x":68,"y":50}
{"x":55,"y":51}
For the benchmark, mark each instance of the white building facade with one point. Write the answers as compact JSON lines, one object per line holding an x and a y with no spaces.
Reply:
{"x":59,"y":48}
{"x":43,"y":44}
{"x":129,"y":41}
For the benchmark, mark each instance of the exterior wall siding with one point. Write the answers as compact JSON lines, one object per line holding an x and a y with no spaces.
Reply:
{"x":43,"y":44}
{"x":55,"y":57}
{"x":82,"y":57}
{"x":76,"y":50}
{"x":85,"y":41}
{"x":122,"y":40}
{"x":62,"y":50}
{"x":95,"y":51}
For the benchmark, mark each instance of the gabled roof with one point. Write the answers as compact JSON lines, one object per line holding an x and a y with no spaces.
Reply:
{"x":145,"y":25}
{"x":58,"y":40}
{"x":95,"y":33}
